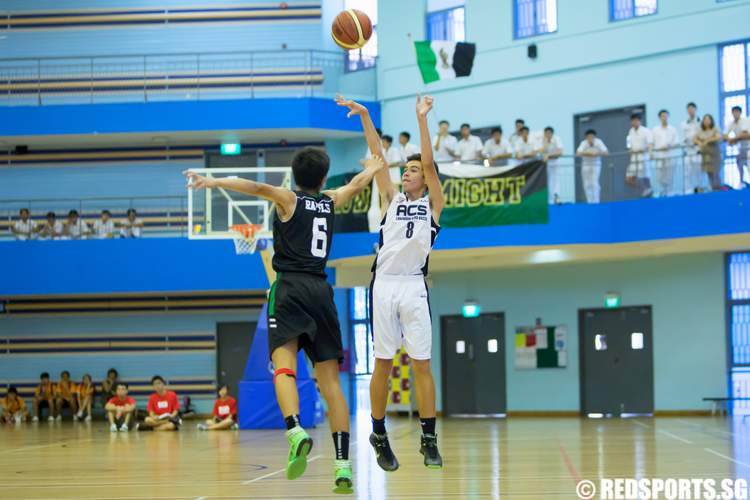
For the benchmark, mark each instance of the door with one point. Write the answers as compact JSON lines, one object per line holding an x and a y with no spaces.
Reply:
{"x":233,"y":341}
{"x":612,"y":128}
{"x":617,"y":368}
{"x":473,"y":360}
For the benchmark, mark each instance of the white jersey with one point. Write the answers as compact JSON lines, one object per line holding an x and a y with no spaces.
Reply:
{"x":407,"y":234}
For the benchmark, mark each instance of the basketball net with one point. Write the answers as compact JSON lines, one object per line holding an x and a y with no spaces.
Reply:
{"x":245,"y":237}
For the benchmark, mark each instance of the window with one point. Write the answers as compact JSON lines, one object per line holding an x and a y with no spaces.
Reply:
{"x":627,"y":9}
{"x":446,"y":20}
{"x":359,"y":319}
{"x":734,"y":90}
{"x":636,"y":340}
{"x":535,"y":17}
{"x":600,"y":342}
{"x":365,"y":57}
{"x":738,"y":302}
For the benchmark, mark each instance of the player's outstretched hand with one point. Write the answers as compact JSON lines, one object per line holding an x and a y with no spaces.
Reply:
{"x":375,"y":163}
{"x":355,"y":108}
{"x":424,"y":105}
{"x":196,"y":181}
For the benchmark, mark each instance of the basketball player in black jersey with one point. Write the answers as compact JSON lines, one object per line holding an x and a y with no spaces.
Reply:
{"x":301,"y":312}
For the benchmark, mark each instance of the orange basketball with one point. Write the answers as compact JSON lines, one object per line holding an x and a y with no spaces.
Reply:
{"x":351,"y":29}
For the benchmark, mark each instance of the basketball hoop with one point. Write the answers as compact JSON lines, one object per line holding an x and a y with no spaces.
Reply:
{"x":245,"y":237}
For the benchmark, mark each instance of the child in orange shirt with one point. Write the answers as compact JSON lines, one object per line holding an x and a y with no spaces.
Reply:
{"x":13,"y":408}
{"x":65,"y":395}
{"x":85,"y":397}
{"x":44,"y":395}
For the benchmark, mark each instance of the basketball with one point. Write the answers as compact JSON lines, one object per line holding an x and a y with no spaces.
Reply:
{"x":351,"y":29}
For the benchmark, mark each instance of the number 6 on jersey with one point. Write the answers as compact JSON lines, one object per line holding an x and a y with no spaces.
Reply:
{"x":319,"y":237}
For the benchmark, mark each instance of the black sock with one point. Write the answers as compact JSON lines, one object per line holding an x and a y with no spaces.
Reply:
{"x":292,"y":421}
{"x":378,"y":425}
{"x":428,"y":425}
{"x":341,"y":442}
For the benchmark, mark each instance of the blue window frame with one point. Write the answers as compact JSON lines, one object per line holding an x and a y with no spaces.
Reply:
{"x":628,"y":9}
{"x":447,"y":24}
{"x":734,"y":90}
{"x":359,"y":319}
{"x":534,"y":17}
{"x":738,"y":314}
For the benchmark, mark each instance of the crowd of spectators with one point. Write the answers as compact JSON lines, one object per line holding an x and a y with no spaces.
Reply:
{"x":652,"y":152}
{"x":163,"y":411}
{"x":75,"y":228}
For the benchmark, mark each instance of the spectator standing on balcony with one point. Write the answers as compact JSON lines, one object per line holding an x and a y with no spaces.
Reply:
{"x":23,"y":228}
{"x":692,"y":159}
{"x":368,"y":154}
{"x":445,"y":144}
{"x":497,"y":150}
{"x":707,"y":140}
{"x":104,"y":228}
{"x":551,"y":149}
{"x":640,"y":141}
{"x":132,"y":226}
{"x":13,"y":408}
{"x":51,"y":229}
{"x":738,"y":133}
{"x":516,"y":136}
{"x":525,"y":149}
{"x":665,"y":142}
{"x":75,"y":228}
{"x":591,"y":150}
{"x":470,"y":146}
{"x":406,"y":148}
{"x":392,"y":159}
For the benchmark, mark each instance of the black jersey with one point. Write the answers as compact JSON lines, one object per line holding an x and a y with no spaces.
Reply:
{"x":302,"y":243}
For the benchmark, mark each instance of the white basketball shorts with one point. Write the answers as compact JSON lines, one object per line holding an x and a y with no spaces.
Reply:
{"x":401,"y":314}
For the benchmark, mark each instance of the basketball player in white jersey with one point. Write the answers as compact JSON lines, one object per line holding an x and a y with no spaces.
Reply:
{"x":399,"y":296}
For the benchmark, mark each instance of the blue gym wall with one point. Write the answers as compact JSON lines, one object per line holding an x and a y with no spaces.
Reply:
{"x":686,"y":293}
{"x":589,"y":64}
{"x":159,"y":38}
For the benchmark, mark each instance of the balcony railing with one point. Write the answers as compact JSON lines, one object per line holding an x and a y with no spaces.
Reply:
{"x":167,"y":215}
{"x":176,"y":77}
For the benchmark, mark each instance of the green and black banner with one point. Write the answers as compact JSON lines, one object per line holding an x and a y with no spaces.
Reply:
{"x":474,"y":196}
{"x":494,"y":196}
{"x":352,"y":217}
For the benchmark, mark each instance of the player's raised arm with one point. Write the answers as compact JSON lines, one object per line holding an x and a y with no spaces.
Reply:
{"x":431,"y":178}
{"x":383,"y":178}
{"x":284,"y":199}
{"x":343,"y":194}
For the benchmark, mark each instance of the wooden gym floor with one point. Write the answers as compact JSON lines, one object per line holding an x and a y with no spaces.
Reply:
{"x":527,"y":458}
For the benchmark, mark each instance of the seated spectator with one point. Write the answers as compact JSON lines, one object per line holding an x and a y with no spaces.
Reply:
{"x":132,"y":226}
{"x":470,"y":146}
{"x":525,"y":149}
{"x":497,"y":150}
{"x":85,"y":396}
{"x":445,"y":143}
{"x":12,"y":408}
{"x":551,"y":149}
{"x":109,"y":385}
{"x":163,"y":408}
{"x":224,"y":415}
{"x":51,"y":229}
{"x":75,"y":228}
{"x":65,"y":395}
{"x":44,"y":395}
{"x":707,"y":139}
{"x":104,"y":228}
{"x":120,"y":409}
{"x":640,"y":143}
{"x":24,"y":228}
{"x":406,"y":148}
{"x":591,"y":150}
